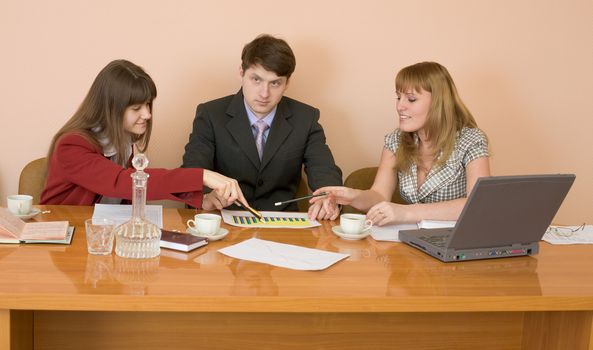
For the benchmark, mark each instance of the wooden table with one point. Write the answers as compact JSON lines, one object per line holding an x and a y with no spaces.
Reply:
{"x":385,"y":296}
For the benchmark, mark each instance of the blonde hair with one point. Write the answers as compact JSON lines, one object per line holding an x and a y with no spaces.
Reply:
{"x":447,"y":114}
{"x":100,"y":115}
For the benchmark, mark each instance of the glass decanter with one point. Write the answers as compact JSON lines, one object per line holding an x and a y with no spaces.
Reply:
{"x":138,"y":238}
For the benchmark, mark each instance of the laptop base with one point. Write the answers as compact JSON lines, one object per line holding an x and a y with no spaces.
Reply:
{"x":452,"y":255}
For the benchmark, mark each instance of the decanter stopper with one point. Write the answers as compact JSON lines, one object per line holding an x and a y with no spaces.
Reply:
{"x":140,"y":162}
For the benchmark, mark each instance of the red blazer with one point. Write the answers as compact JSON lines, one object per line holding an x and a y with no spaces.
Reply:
{"x":79,"y":174}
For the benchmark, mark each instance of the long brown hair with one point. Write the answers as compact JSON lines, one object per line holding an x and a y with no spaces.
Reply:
{"x":100,"y":115}
{"x":446,"y":117}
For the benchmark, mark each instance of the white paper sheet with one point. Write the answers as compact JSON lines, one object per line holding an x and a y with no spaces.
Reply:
{"x":281,"y":219}
{"x":565,"y":236}
{"x":282,"y":255}
{"x":121,"y":213}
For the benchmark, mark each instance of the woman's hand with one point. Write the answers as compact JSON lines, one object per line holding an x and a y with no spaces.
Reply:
{"x":226,"y":190}
{"x":339,"y":194}
{"x":385,"y":213}
{"x":335,"y":195}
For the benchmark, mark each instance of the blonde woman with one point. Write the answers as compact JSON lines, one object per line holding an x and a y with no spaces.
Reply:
{"x":434,"y":158}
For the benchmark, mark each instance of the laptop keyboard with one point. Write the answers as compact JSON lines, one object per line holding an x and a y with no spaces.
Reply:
{"x":438,"y":241}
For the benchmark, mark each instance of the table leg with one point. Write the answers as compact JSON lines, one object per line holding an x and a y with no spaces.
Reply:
{"x":16,"y":329}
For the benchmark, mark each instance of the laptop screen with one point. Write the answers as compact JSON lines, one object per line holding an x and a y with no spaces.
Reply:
{"x":509,"y":209}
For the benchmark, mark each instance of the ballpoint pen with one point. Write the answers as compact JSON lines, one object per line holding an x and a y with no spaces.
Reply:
{"x":255,"y":213}
{"x":301,"y":198}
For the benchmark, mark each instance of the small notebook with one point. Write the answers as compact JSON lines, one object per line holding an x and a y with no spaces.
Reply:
{"x":181,"y":241}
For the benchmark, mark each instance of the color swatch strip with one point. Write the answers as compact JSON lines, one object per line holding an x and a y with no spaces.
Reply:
{"x":271,"y":221}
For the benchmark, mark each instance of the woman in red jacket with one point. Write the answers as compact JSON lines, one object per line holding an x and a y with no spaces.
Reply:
{"x":89,"y":157}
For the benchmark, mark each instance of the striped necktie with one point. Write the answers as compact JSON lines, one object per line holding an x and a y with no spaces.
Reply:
{"x":260,"y":140}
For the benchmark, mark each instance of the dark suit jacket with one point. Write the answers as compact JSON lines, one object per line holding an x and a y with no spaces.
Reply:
{"x":222,"y":141}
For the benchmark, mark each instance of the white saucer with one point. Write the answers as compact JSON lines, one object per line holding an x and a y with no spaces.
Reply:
{"x":31,"y":214}
{"x":338,"y":231}
{"x":222,"y":232}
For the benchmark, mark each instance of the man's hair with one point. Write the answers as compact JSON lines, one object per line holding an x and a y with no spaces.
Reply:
{"x":271,"y":53}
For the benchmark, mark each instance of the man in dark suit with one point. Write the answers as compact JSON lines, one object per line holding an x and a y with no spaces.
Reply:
{"x":262,"y":138}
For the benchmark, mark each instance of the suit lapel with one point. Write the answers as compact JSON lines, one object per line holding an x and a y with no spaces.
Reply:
{"x":279,"y":131}
{"x":239,"y":128}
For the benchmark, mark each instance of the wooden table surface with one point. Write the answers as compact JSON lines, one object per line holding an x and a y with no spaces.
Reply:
{"x":378,"y":277}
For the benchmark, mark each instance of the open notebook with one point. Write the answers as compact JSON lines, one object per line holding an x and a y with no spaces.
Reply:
{"x":15,"y":230}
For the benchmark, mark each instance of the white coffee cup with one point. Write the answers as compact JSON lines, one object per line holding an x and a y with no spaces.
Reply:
{"x":205,"y":224}
{"x":354,"y":224}
{"x":20,"y":204}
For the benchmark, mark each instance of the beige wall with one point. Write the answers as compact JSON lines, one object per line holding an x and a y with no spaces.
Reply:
{"x":524,"y":68}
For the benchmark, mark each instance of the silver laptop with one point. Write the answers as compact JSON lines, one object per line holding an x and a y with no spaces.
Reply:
{"x":503,"y":216}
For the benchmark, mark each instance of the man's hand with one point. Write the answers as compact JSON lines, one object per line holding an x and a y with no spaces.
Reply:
{"x":318,"y":211}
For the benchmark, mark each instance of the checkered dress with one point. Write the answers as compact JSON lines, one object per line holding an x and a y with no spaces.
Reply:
{"x":447,"y":182}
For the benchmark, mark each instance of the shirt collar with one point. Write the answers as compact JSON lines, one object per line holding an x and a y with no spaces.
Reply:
{"x":253,"y":118}
{"x":107,"y":147}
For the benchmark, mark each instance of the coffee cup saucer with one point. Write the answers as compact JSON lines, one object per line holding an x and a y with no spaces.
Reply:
{"x":352,"y":237}
{"x":222,"y":232}
{"x":30,"y":215}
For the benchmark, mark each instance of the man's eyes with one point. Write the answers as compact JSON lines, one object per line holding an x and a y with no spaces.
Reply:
{"x":275,"y":83}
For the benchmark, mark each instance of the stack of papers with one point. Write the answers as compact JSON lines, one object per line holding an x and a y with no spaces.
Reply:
{"x":436,"y":224}
{"x":390,"y":233}
{"x":121,"y":213}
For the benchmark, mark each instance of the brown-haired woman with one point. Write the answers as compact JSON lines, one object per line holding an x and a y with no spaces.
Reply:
{"x":435,"y":156}
{"x":89,"y":157}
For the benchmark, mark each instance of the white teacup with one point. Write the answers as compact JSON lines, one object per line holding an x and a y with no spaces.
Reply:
{"x":20,"y":204}
{"x":354,"y":224}
{"x":206,"y":224}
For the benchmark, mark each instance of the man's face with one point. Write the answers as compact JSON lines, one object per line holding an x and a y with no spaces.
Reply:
{"x":262,"y":89}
